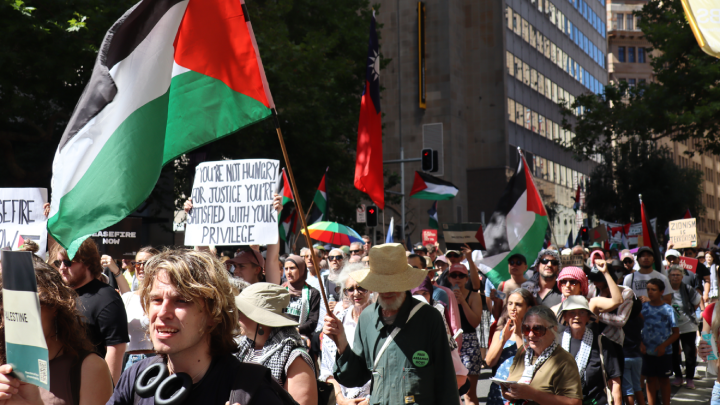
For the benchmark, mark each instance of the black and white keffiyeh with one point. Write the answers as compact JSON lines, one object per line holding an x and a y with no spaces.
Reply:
{"x":531,"y":369}
{"x":583,"y":355}
{"x":282,"y":347}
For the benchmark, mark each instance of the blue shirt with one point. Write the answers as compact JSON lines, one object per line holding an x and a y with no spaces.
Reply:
{"x":659,"y":321}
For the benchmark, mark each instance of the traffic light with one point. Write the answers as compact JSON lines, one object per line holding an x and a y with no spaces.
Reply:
{"x":371,"y":218}
{"x":429,"y":160}
{"x":585,"y":234}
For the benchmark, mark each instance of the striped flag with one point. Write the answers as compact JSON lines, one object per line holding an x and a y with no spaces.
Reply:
{"x":517,"y":226}
{"x":433,"y":223}
{"x":287,"y":218}
{"x":427,"y":187}
{"x":320,"y":203}
{"x":170,"y":76}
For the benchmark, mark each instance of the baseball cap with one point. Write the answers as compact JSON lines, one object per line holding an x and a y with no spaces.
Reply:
{"x":626,"y":254}
{"x":441,"y":259}
{"x":452,"y":251}
{"x":319,"y":246}
{"x":420,"y":247}
{"x":458,"y":268}
{"x":672,"y":252}
{"x":645,"y":249}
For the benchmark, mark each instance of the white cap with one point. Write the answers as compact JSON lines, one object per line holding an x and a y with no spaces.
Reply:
{"x":672,"y":252}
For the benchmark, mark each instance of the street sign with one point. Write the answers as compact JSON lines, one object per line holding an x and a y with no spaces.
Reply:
{"x":361,"y":218}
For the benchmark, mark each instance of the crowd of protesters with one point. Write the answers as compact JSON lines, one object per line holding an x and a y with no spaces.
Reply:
{"x":401,"y":325}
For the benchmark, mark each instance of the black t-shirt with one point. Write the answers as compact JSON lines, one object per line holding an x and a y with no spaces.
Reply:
{"x":213,"y":389}
{"x":307,"y":327}
{"x":594,"y":388}
{"x":633,"y":337}
{"x":105,"y":317}
{"x":701,"y":272}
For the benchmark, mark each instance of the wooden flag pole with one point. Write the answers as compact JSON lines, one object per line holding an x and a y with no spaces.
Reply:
{"x":301,"y":213}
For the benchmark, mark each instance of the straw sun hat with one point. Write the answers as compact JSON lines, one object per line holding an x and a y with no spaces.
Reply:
{"x":264,"y":303}
{"x":389,"y":270}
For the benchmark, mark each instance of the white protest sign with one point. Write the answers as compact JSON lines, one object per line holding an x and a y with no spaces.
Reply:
{"x":22,"y":217}
{"x":232,"y":203}
{"x":683,"y":233}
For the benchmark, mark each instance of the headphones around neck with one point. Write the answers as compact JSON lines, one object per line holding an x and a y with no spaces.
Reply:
{"x":167,"y":389}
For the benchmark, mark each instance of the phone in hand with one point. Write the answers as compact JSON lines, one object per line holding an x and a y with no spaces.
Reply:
{"x":502,"y":382}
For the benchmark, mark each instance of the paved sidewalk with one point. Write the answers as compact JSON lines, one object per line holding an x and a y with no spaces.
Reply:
{"x":700,"y":395}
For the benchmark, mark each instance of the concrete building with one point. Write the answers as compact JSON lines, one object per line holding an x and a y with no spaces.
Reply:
{"x":493,"y":73}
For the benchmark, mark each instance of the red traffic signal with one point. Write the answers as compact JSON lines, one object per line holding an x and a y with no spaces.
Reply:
{"x":371,"y":217}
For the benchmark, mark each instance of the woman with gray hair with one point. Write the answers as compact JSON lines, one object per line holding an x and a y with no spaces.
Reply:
{"x":545,"y":373}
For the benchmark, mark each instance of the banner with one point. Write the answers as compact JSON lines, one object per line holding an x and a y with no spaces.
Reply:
{"x":24,"y":338}
{"x":457,"y":235}
{"x":689,"y":263}
{"x":122,"y":240}
{"x":633,"y":231}
{"x":22,"y":217}
{"x":683,"y":233}
{"x":704,"y":19}
{"x":232,"y":203}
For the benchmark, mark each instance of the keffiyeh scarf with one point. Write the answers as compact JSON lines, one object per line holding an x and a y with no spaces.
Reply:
{"x":277,"y":351}
{"x":583,"y":355}
{"x":531,"y":369}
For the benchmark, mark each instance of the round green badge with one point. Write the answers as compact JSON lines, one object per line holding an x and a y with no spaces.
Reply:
{"x":420,"y":358}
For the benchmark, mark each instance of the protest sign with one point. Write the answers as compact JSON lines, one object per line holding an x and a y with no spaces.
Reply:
{"x":429,"y":236}
{"x":232,"y":203}
{"x":457,"y":235}
{"x":22,"y":217}
{"x":632,"y":231}
{"x":689,"y":264}
{"x":122,"y":240}
{"x":24,"y":338}
{"x":599,"y":234}
{"x":683,"y":233}
{"x":571,"y":260}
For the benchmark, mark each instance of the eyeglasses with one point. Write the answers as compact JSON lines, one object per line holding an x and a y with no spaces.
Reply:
{"x":66,"y":262}
{"x":551,"y":261}
{"x":517,"y":262}
{"x":351,"y":290}
{"x":457,"y":275}
{"x":141,"y":263}
{"x":357,"y":251}
{"x":569,"y":281}
{"x":537,"y":330}
{"x":335,"y":257}
{"x":305,"y":256}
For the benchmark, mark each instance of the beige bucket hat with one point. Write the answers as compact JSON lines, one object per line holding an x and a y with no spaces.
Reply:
{"x":389,"y":270}
{"x":574,"y":302}
{"x":264,"y":303}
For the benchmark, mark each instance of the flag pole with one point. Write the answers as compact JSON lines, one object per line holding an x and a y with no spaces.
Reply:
{"x":300,"y":209}
{"x":552,"y":232}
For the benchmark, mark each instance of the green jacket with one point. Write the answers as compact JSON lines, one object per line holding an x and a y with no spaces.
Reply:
{"x":415,"y":369}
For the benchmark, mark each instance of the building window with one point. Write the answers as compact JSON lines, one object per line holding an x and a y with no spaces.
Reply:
{"x":541,"y":124}
{"x":526,"y":74}
{"x":631,"y":54}
{"x":511,"y":110}
{"x":621,"y":54}
{"x":519,"y":117}
{"x":510,"y":64}
{"x":528,"y":118}
{"x":629,"y":23}
{"x":637,"y":23}
{"x":631,"y":82}
{"x":641,"y":55}
{"x":509,"y":17}
{"x":533,"y":79}
{"x":534,"y":122}
{"x":620,"y":21}
{"x":541,"y":84}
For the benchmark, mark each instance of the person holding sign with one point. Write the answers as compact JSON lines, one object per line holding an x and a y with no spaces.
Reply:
{"x":78,"y":376}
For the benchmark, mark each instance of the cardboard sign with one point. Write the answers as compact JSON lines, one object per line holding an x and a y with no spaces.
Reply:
{"x":429,"y":236}
{"x":122,"y":240}
{"x":599,"y":234}
{"x":683,"y":233}
{"x":457,"y":235}
{"x":571,"y":261}
{"x":689,"y":264}
{"x":232,"y":203}
{"x":24,"y":338}
{"x":22,"y":217}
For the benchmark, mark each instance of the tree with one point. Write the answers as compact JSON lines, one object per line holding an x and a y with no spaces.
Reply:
{"x":641,"y":167}
{"x":682,"y":103}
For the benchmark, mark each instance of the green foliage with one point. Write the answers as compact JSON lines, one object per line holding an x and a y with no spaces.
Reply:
{"x":640,"y":167}
{"x":682,"y":103}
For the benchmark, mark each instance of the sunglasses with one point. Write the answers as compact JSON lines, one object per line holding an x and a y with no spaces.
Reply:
{"x":571,"y":282}
{"x":335,"y":257}
{"x":537,"y":330}
{"x":351,"y":290}
{"x":517,"y":262}
{"x":452,"y":255}
{"x":356,"y":251}
{"x":551,"y":261}
{"x":457,"y":275}
{"x":66,"y":262}
{"x":627,"y":261}
{"x":141,"y":263}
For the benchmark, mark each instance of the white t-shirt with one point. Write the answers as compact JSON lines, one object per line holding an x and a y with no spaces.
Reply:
{"x":640,"y":282}
{"x":684,"y":322}
{"x":137,"y":323}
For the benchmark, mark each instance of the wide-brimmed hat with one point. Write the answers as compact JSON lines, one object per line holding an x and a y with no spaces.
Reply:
{"x":389,"y":270}
{"x":264,"y":303}
{"x":574,"y":302}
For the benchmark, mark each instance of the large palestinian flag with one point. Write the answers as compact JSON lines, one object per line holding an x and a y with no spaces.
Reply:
{"x":427,"y":187}
{"x":517,"y":226}
{"x":170,"y":76}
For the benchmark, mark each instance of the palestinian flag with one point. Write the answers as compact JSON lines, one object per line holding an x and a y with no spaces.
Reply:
{"x":170,"y":76}
{"x":433,"y":224}
{"x":320,"y":203}
{"x":648,"y":237}
{"x":427,"y":187}
{"x":287,"y":218}
{"x":517,"y":226}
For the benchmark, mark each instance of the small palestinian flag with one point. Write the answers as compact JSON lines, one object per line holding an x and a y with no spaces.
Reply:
{"x":287,"y":218}
{"x":517,"y":226}
{"x":320,"y":203}
{"x":433,"y":224}
{"x":170,"y":76}
{"x":427,"y":187}
{"x":649,"y":238}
